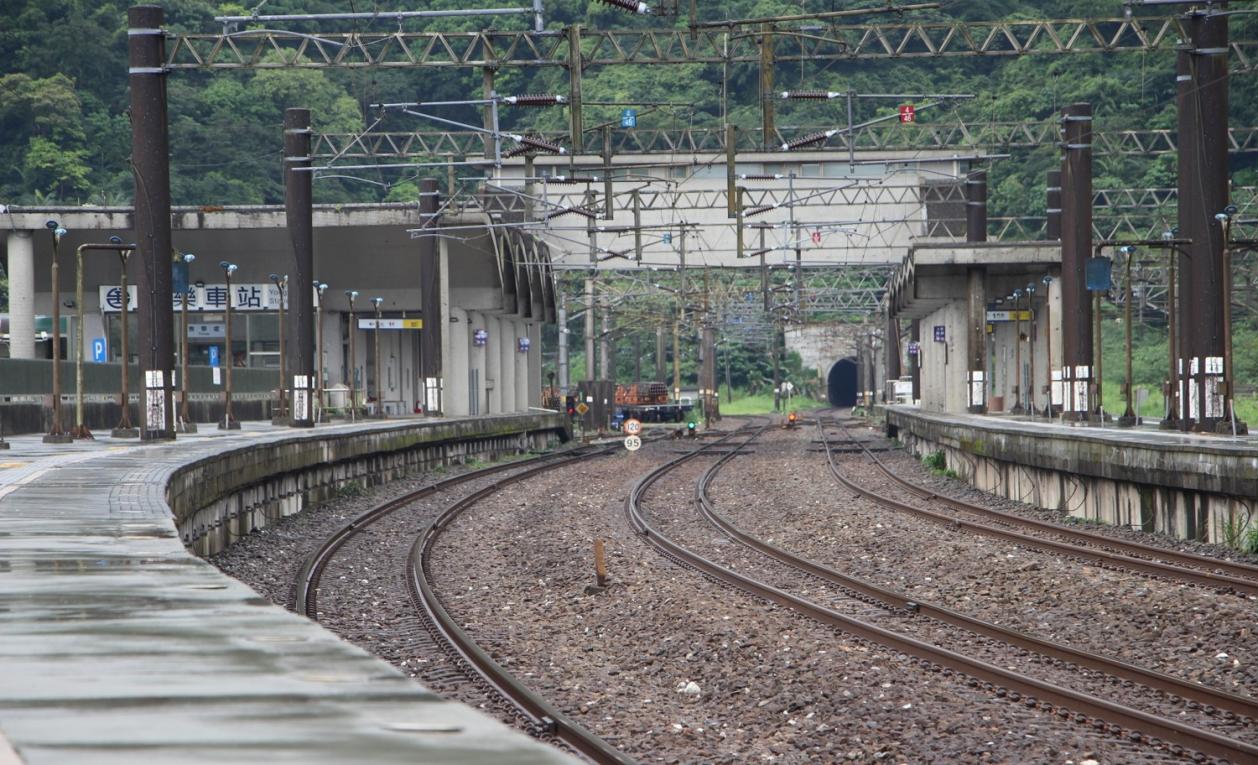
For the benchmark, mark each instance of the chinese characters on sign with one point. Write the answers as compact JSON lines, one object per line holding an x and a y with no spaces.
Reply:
{"x":209,"y":297}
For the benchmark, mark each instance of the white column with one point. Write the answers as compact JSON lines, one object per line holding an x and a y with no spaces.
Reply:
{"x":506,"y":361}
{"x":477,"y":360}
{"x":535,"y":363}
{"x":493,"y":365}
{"x":21,"y":295}
{"x":456,"y":365}
{"x":448,"y":380}
{"x":521,"y":365}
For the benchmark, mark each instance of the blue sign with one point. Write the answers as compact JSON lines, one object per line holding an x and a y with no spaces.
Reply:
{"x":98,"y":350}
{"x":523,"y":344}
{"x":1097,"y":272}
{"x":629,"y":118}
{"x":668,"y":238}
{"x":179,"y":277}
{"x":940,"y":336}
{"x":213,"y":355}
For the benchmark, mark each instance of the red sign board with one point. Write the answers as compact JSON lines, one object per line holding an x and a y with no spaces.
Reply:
{"x":908,"y":113}
{"x":816,"y":237}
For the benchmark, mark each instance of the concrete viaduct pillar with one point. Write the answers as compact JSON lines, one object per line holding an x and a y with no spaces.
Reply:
{"x":21,"y":295}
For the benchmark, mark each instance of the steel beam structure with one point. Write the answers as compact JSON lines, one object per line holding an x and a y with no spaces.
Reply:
{"x":274,"y":49}
{"x":883,"y":136}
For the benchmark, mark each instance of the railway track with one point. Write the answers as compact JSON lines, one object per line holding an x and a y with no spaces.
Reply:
{"x":1199,"y":570}
{"x":443,"y":632}
{"x":1117,"y":719}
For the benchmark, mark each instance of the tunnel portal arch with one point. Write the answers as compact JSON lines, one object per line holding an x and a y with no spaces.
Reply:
{"x":841,"y":383}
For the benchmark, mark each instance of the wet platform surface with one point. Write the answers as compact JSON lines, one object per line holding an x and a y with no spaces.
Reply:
{"x":119,"y":646}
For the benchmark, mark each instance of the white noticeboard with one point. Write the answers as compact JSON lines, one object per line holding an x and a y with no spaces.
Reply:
{"x":633,"y":443}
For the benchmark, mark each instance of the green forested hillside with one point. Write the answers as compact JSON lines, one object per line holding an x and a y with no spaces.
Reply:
{"x":64,"y":135}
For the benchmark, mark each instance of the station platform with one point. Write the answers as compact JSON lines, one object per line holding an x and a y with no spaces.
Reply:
{"x":1193,"y":486}
{"x":118,"y":645}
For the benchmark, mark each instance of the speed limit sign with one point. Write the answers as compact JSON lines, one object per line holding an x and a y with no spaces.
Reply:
{"x":633,"y":443}
{"x":632,"y":427}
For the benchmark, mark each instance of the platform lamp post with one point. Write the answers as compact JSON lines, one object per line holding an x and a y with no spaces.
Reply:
{"x":229,"y":422}
{"x":1030,"y":377}
{"x":320,"y":288}
{"x":55,"y":434}
{"x":377,"y":301}
{"x":80,"y":429}
{"x":281,"y":284}
{"x":1129,"y":417}
{"x":353,"y":361}
{"x":1225,"y":220}
{"x":1017,"y":352}
{"x":185,"y":424}
{"x":125,"y":429}
{"x":1048,"y":346}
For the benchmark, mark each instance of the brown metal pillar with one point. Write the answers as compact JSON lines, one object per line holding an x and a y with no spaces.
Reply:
{"x":150,"y":155}
{"x":1052,"y":228}
{"x":1076,"y":248}
{"x":430,"y":366}
{"x":299,"y":217}
{"x":976,"y":291}
{"x":1203,"y":193}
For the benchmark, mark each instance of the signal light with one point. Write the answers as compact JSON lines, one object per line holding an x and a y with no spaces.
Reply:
{"x":691,"y":425}
{"x":808,"y":140}
{"x":792,"y":417}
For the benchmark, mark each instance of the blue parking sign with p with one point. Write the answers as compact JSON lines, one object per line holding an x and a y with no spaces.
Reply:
{"x":98,"y":350}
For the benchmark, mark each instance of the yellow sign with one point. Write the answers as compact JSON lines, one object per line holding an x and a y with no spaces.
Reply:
{"x":582,"y":408}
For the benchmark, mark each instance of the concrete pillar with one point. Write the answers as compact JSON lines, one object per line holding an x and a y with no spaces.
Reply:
{"x":506,"y":362}
{"x":457,"y":401}
{"x":535,"y":364}
{"x":477,"y":360}
{"x":448,"y":377}
{"x":21,"y":295}
{"x":493,"y":366}
{"x":521,"y":330}
{"x":976,"y":340}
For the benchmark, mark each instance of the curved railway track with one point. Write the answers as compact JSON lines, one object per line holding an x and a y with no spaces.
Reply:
{"x":1116,"y":718}
{"x":1227,"y":576}
{"x":539,"y":716}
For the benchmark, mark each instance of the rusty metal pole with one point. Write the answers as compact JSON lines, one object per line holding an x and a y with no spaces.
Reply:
{"x":1048,"y":345}
{"x":297,"y":349}
{"x":281,"y":284}
{"x":125,"y":429}
{"x":1129,"y":414}
{"x":1076,"y":247}
{"x":976,"y":231}
{"x":768,"y":138}
{"x":1052,"y":226}
{"x":1017,"y":353}
{"x":55,"y":434}
{"x":229,"y":421}
{"x":186,"y":425}
{"x":915,"y":336}
{"x":1172,"y":418}
{"x":150,"y":155}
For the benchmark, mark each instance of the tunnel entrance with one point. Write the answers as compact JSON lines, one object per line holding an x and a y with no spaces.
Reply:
{"x":841,"y":383}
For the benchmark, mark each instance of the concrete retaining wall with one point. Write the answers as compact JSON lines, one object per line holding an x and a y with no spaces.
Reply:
{"x":1195,"y":492}
{"x":225,"y":497}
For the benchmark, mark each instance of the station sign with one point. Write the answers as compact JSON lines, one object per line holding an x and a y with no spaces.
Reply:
{"x":391,"y":324}
{"x":202,"y":297}
{"x":629,"y":118}
{"x":1022,"y":315}
{"x":915,"y":348}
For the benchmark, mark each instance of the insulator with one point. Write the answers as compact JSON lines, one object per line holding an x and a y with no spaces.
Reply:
{"x":571,"y":179}
{"x":534,"y":99}
{"x":750,"y":177}
{"x":573,"y":210}
{"x":809,"y":95}
{"x":808,"y":140}
{"x":517,"y":152}
{"x":633,"y":6}
{"x":758,"y":210}
{"x":541,"y":144}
